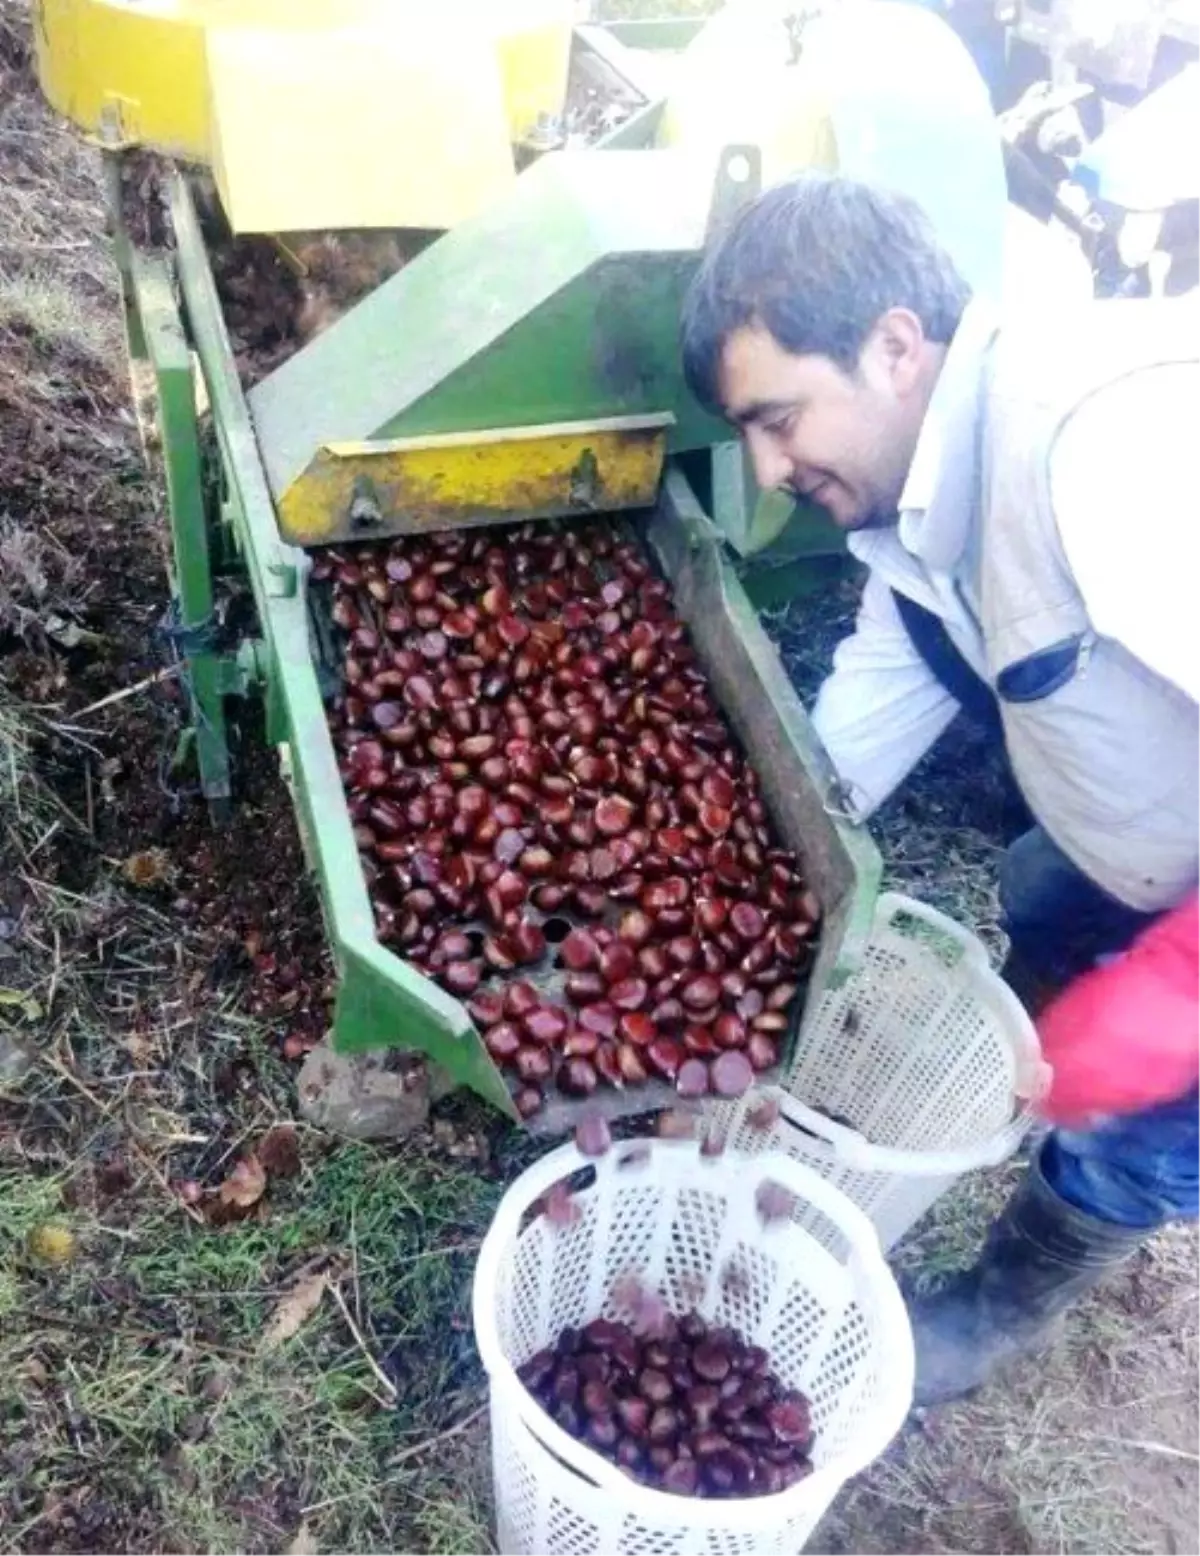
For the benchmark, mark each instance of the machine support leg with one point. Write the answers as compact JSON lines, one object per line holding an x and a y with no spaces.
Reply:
{"x":171,"y":359}
{"x":135,"y":338}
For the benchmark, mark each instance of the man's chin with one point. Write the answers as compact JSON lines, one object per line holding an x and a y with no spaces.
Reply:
{"x":848,"y":519}
{"x":875,"y":518}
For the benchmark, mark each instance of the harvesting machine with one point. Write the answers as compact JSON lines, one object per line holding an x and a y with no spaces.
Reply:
{"x":511,"y":204}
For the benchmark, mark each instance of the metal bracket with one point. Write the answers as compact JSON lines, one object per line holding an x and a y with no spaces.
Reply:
{"x":248,"y":667}
{"x":365,"y":512}
{"x":280,"y":577}
{"x":738,"y":182}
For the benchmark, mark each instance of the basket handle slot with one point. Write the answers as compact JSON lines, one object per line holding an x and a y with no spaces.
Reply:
{"x":849,"y":1146}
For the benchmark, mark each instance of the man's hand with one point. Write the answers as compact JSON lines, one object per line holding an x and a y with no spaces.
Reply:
{"x":1125,"y":1036}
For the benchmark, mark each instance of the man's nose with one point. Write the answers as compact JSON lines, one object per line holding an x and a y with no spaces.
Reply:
{"x":772,"y":467}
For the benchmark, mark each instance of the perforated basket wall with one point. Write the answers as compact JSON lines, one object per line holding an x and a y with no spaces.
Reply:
{"x":894,"y":1200}
{"x":920,"y":1057}
{"x":814,"y":1291}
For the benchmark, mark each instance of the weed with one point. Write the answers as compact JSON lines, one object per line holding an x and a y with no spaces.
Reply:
{"x":24,"y":803}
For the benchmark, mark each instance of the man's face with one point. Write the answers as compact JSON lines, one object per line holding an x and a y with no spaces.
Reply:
{"x":843,"y":440}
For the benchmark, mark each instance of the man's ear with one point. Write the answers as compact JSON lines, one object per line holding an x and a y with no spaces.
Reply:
{"x":896,"y":349}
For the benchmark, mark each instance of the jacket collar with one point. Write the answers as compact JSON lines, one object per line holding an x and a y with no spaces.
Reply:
{"x":941,"y":495}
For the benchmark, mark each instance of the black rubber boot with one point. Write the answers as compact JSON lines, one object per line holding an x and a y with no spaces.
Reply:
{"x":1039,"y":1257}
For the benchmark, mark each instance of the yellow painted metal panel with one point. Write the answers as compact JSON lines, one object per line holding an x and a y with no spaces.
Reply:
{"x":132,"y":72}
{"x":533,"y":39}
{"x":358,"y":126}
{"x":465,"y":479}
{"x":404,"y":112}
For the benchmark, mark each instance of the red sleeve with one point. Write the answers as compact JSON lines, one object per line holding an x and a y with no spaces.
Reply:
{"x":1127,"y":1035}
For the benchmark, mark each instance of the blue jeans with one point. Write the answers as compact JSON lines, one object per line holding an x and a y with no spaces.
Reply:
{"x":1139,"y":1170}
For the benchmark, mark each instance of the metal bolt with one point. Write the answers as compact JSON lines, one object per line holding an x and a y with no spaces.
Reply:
{"x":364,"y":511}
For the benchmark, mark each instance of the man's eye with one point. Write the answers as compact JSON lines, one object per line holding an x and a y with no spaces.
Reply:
{"x":781,"y":425}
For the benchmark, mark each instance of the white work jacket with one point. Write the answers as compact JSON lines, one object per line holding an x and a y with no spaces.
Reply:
{"x":1126,"y":500}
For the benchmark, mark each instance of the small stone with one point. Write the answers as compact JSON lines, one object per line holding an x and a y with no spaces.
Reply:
{"x":355,"y":1096}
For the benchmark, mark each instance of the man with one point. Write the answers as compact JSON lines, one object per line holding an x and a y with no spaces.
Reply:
{"x":1023,"y":495}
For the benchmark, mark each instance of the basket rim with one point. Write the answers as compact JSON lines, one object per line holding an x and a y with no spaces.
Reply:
{"x":853,"y":1151}
{"x":882,"y":1293}
{"x":858,"y":1152}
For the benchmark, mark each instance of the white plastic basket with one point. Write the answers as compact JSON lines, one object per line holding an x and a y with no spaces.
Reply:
{"x":814,"y":1291}
{"x":925,"y":1054}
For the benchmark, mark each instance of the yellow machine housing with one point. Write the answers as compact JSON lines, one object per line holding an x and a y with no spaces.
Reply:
{"x":316,"y":113}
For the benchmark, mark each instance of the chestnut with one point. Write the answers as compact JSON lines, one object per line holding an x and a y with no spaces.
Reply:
{"x":577,"y":1077}
{"x":654,"y":1386}
{"x":731,"y":1074}
{"x":518,"y":736}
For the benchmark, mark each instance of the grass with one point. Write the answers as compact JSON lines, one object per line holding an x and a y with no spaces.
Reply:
{"x":146,"y":1389}
{"x":145,"y":1416}
{"x":1089,"y":1446}
{"x":47,"y":304}
{"x":1060,"y":1455}
{"x":23,"y":802}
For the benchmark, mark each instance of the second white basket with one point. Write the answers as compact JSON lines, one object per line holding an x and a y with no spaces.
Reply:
{"x":918,"y":1069}
{"x":812,"y":1290}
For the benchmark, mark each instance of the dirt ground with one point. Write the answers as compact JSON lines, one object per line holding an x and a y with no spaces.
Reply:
{"x":302,"y":1377}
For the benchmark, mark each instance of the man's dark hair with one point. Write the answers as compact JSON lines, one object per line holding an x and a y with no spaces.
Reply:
{"x":817,"y":261}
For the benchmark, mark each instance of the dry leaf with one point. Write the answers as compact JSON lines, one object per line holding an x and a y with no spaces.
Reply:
{"x":245,"y":1185}
{"x":279,"y":1152}
{"x":302,"y":1543}
{"x":150,"y":867}
{"x":300,"y":1303}
{"x":140,"y":1048}
{"x":113,"y":1177}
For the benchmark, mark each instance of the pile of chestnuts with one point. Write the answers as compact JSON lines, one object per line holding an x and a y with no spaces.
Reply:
{"x":555,"y":821}
{"x":692,"y":1409}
